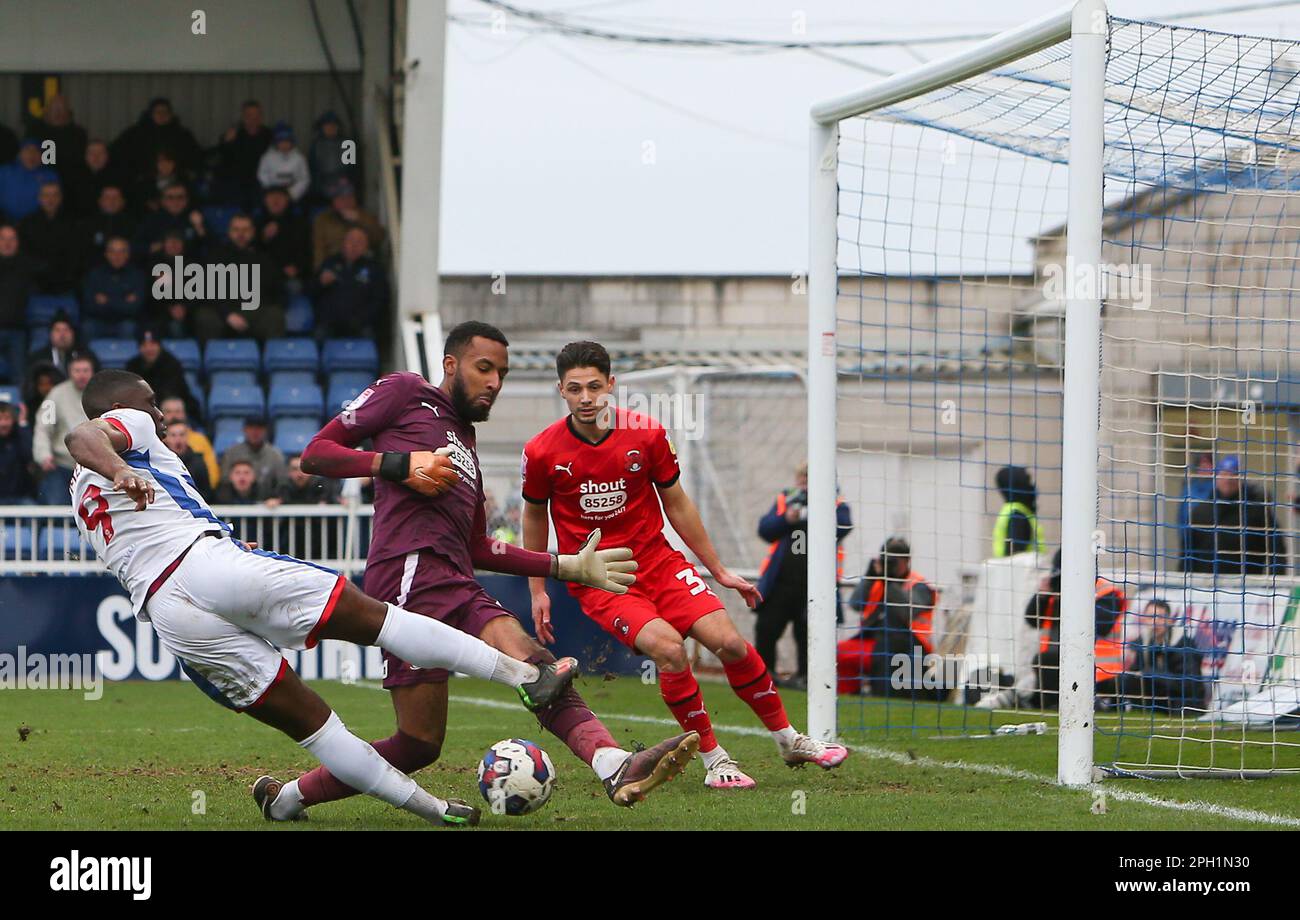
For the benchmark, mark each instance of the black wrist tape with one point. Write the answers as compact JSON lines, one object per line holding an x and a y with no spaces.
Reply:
{"x":395,"y":466}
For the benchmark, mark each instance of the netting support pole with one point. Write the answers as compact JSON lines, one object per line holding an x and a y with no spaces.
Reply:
{"x":823,"y":286}
{"x":1089,"y":30}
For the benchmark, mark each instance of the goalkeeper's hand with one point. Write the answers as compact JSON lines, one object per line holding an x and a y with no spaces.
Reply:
{"x":429,"y":472}
{"x":607,"y":569}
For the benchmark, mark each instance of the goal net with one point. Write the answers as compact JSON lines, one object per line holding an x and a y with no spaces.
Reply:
{"x":1141,"y":181}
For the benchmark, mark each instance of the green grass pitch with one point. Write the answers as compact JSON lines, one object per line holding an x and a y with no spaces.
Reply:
{"x":162,"y":756}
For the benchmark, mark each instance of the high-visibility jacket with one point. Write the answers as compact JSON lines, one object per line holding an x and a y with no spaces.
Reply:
{"x":771,"y":548}
{"x":1108,"y":652}
{"x":1003,"y":523}
{"x":922,"y":621}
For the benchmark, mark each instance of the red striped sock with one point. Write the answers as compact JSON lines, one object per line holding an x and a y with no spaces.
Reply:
{"x":681,"y":693}
{"x":749,"y":678}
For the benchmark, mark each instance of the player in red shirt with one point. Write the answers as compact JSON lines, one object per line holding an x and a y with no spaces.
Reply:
{"x":607,"y":470}
{"x":430,"y":533}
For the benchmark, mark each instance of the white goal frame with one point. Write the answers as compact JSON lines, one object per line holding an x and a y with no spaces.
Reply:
{"x":1085,"y":25}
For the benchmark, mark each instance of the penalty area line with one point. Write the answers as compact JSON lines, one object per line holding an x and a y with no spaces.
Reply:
{"x":904,"y":759}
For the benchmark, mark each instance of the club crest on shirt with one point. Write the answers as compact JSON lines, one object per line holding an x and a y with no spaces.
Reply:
{"x":632,"y":462}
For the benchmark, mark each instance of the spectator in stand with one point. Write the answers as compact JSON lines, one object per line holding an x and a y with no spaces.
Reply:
{"x":305,"y":489}
{"x":240,"y":487}
{"x":160,"y":369}
{"x":110,"y":218}
{"x":1198,"y":488}
{"x":57,"y":351}
{"x":308,"y":538}
{"x":16,"y":484}
{"x":263,"y":456}
{"x":332,"y":225}
{"x":16,"y":272}
{"x":173,"y":410}
{"x":282,"y":233}
{"x":178,"y":441}
{"x":175,"y":215}
{"x":228,"y":318}
{"x":57,"y":125}
{"x":325,"y":157}
{"x":49,"y":236}
{"x":1234,"y":531}
{"x":44,"y":378}
{"x":783,"y":574}
{"x":8,"y":143}
{"x":1017,"y":529}
{"x":173,"y":318}
{"x":57,"y":415}
{"x":84,"y":182}
{"x":284,"y":165}
{"x":21,"y":181}
{"x":136,"y":149}
{"x":1169,"y":669}
{"x":148,"y":191}
{"x":350,"y":291}
{"x":114,"y":294}
{"x":238,"y":155}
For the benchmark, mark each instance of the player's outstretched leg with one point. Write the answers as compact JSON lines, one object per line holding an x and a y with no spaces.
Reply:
{"x":295,"y":709}
{"x":681,"y":694}
{"x":430,"y":643}
{"x":628,"y":777}
{"x":751,"y":681}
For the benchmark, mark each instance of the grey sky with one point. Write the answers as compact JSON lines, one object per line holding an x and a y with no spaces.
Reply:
{"x":565,"y":155}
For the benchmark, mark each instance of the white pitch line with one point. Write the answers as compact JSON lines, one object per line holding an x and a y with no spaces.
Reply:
{"x":899,"y":757}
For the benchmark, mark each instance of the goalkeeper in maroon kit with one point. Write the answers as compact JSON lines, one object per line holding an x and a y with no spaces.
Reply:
{"x":430,"y":533}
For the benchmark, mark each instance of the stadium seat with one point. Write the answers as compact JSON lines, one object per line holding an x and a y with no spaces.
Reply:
{"x":232,"y":355}
{"x":290,"y":355}
{"x":17,"y":541}
{"x":56,"y":543}
{"x":42,"y":307}
{"x":292,"y":434}
{"x":185,"y":351}
{"x":236,"y":401}
{"x":228,"y":433}
{"x":343,"y":388}
{"x":299,"y":316}
{"x":11,"y":394}
{"x":300,"y":401}
{"x":232,"y":379}
{"x":113,"y":353}
{"x":350,"y":355}
{"x":217,"y":217}
{"x":291,"y":379}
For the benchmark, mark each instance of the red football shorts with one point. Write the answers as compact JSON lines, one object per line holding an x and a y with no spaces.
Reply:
{"x":667,"y":587}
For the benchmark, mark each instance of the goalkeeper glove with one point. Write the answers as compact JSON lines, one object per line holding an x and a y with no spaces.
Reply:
{"x":607,"y":569}
{"x":430,"y":473}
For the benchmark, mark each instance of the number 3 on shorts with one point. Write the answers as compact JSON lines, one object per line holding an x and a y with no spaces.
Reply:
{"x":693,"y":580}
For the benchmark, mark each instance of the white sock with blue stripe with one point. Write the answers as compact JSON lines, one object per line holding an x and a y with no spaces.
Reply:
{"x":429,"y":643}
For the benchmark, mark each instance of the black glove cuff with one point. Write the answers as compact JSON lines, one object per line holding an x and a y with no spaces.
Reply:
{"x":395,"y":466}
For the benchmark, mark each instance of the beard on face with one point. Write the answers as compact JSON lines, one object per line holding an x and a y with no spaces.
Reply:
{"x":464,"y":407}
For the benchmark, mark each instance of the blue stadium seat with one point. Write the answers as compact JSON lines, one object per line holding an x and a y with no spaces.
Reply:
{"x":299,"y":316}
{"x":56,"y":543}
{"x":350,"y":355}
{"x":228,"y":433}
{"x":113,"y":353}
{"x":239,"y":402}
{"x":291,"y":355}
{"x":344,"y":387}
{"x":17,"y":541}
{"x":232,"y":355}
{"x":10,"y":394}
{"x":292,"y":379}
{"x":299,"y":401}
{"x":186,"y":351}
{"x":217,"y":217}
{"x":42,"y":307}
{"x":232,"y":379}
{"x":292,"y":434}
{"x":38,"y":338}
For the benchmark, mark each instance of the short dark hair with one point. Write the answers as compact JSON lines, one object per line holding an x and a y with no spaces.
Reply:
{"x":462,"y":334}
{"x":85,"y":355}
{"x":582,"y":354}
{"x":105,"y":388}
{"x":1161,"y":603}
